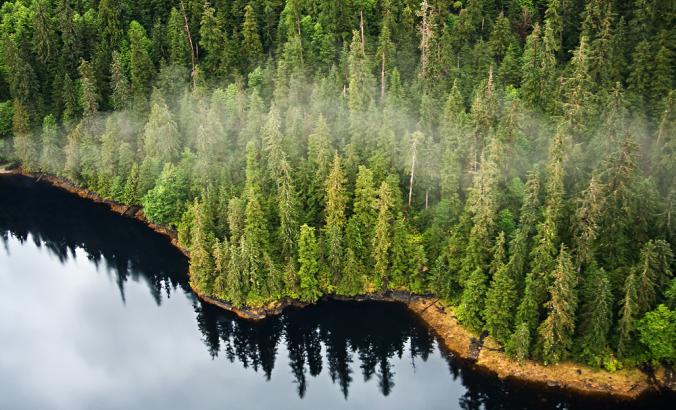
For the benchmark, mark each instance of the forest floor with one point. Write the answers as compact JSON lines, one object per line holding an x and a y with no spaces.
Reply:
{"x":627,"y":383}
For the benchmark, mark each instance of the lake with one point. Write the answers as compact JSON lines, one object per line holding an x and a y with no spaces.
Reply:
{"x":96,"y":313}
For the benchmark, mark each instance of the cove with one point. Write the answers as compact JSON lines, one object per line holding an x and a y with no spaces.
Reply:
{"x":96,"y":312}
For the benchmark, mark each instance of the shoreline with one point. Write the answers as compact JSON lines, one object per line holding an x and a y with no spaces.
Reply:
{"x":624,"y":384}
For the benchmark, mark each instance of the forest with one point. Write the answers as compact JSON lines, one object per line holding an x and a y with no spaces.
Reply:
{"x":514,"y":158}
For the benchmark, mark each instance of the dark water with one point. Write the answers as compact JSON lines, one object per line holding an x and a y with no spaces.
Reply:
{"x":96,"y":313}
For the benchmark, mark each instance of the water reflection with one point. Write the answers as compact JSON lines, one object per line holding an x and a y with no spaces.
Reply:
{"x":373,"y":333}
{"x":353,"y":348}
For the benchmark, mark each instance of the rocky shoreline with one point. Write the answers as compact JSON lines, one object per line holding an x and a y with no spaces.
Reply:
{"x":625,"y":384}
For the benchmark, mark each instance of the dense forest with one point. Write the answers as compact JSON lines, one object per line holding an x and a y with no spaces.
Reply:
{"x":515,"y":158}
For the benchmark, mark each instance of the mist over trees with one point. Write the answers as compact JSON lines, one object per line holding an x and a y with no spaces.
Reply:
{"x":515,"y":158}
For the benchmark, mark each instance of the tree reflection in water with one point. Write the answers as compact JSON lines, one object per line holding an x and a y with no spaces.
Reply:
{"x":374,"y":333}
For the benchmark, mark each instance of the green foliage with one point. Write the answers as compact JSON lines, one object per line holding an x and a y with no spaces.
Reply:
{"x":308,"y":260}
{"x":519,"y":343}
{"x":501,"y":297}
{"x":472,"y":301}
{"x":51,"y":157}
{"x":251,"y":42}
{"x":166,"y":202}
{"x":382,"y":238}
{"x":335,"y":222}
{"x":556,"y":331}
{"x":130,"y":192}
{"x":657,"y":331}
{"x":140,"y":65}
{"x":597,"y":317}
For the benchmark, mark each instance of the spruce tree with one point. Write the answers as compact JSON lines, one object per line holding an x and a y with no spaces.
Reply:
{"x":521,"y":242}
{"x":556,"y":331}
{"x":177,"y":41}
{"x":214,"y":41}
{"x":161,"y":137}
{"x":140,"y":65}
{"x":532,"y":62}
{"x":25,"y":144}
{"x":202,"y":266}
{"x":51,"y":157}
{"x":596,"y":317}
{"x":255,"y":239}
{"x":89,"y":94}
{"x":130,"y":193}
{"x":381,"y":242}
{"x":336,"y":201}
{"x":308,"y":262}
{"x":364,"y":215}
{"x":251,"y":42}
{"x":501,"y":296}
{"x":482,"y":206}
{"x":543,"y":253}
{"x":119,"y":84}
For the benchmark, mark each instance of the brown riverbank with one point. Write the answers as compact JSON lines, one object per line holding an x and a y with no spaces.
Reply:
{"x":627,"y":384}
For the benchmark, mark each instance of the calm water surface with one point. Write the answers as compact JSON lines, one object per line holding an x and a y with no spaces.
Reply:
{"x":96,"y":313}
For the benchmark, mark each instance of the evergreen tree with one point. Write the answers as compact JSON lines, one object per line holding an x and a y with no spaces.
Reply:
{"x":519,"y":344}
{"x":532,"y":61}
{"x":89,"y":95}
{"x":364,"y":216}
{"x":308,"y":260}
{"x":334,"y":226}
{"x":543,"y":253}
{"x":140,"y":65}
{"x":251,"y":42}
{"x":214,"y":41}
{"x":165,"y":203}
{"x":382,"y":237}
{"x":202,"y":266}
{"x":177,"y":42}
{"x":521,"y":242}
{"x":596,"y":313}
{"x":119,"y":84}
{"x":629,"y":312}
{"x":652,"y":273}
{"x":556,"y":331}
{"x":482,"y":207}
{"x":501,"y":297}
{"x":130,"y":193}
{"x":161,"y":138}
{"x":319,"y":165}
{"x":24,"y":141}
{"x":255,"y":236}
{"x":587,"y":216}
{"x":386,"y":47}
{"x":70,"y":101}
{"x":51,"y":157}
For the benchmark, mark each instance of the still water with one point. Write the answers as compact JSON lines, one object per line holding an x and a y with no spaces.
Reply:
{"x":96,"y":313}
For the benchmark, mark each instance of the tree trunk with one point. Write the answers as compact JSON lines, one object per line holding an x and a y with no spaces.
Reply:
{"x":410,"y":183}
{"x":361,"y":28}
{"x":193,"y":52}
{"x":300,"y":40}
{"x":382,"y":77}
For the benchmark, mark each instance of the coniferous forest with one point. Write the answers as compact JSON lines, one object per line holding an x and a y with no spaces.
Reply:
{"x":515,"y":158}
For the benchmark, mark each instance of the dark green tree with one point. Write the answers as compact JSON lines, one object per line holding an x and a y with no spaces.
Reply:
{"x":308,"y":261}
{"x":556,"y":331}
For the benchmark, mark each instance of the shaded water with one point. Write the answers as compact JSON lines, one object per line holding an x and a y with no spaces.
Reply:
{"x":96,"y":313}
